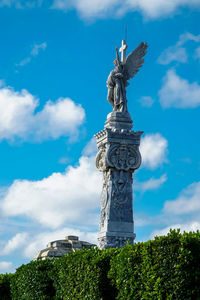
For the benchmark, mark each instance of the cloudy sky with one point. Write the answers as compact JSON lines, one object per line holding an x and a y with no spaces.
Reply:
{"x":55,"y":57}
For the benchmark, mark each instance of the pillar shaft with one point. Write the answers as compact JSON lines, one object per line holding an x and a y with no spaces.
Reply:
{"x":118,"y":157}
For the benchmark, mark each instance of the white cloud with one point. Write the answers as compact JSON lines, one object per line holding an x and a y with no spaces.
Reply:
{"x":160,"y":8}
{"x":104,"y":8}
{"x":187,"y":202}
{"x":34,"y":52}
{"x":183,"y":213}
{"x":173,"y":54}
{"x":14,"y":243}
{"x":151,"y":184}
{"x":187,"y":36}
{"x":91,"y":148}
{"x":192,"y":226}
{"x":178,"y":92}
{"x":72,"y":197}
{"x":89,"y":9}
{"x":37,"y":48}
{"x":20,"y":4}
{"x":60,"y":118}
{"x":146,"y":101}
{"x":40,"y":241}
{"x":24,"y":62}
{"x":6,"y":267}
{"x":17,"y":109}
{"x":153,"y":150}
{"x":177,"y":52}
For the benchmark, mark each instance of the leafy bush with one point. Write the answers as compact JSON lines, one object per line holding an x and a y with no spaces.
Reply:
{"x":5,"y":286}
{"x":125,"y":272}
{"x":166,"y":268}
{"x":83,"y":275}
{"x":33,"y":281}
{"x":188,"y":268}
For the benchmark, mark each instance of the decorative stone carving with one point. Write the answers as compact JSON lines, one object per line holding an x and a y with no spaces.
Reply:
{"x":118,"y":155}
{"x":123,"y":157}
{"x":104,"y":197}
{"x":101,"y":160}
{"x":120,"y":187}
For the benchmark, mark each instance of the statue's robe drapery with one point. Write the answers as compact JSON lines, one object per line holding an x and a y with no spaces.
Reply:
{"x":116,"y":90}
{"x":118,"y":78}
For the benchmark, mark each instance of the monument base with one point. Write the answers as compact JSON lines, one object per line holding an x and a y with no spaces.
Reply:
{"x":115,"y":239}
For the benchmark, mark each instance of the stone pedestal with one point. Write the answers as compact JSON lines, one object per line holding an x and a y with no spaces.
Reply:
{"x":118,"y":157}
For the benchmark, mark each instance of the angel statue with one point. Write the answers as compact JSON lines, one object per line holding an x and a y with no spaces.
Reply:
{"x":125,"y":69}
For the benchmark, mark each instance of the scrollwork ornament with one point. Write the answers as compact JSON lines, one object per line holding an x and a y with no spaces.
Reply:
{"x":101,"y":160}
{"x":104,"y":197}
{"x":123,"y":157}
{"x":104,"y":193}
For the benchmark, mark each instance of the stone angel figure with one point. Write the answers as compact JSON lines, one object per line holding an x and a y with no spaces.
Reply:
{"x":124,"y":70}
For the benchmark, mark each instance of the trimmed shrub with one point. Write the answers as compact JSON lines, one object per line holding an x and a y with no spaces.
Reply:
{"x":166,"y":268}
{"x":83,"y":275}
{"x":5,"y":286}
{"x":125,"y":272}
{"x":188,"y":267}
{"x":33,"y":281}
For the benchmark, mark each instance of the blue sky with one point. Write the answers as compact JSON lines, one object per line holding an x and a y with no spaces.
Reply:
{"x":55,"y":58}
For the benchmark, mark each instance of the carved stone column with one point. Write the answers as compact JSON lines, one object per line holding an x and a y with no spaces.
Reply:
{"x":118,"y":157}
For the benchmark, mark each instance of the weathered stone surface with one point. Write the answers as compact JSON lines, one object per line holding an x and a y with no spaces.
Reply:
{"x":125,"y":69}
{"x":118,"y":157}
{"x":60,"y":247}
{"x":118,"y":154}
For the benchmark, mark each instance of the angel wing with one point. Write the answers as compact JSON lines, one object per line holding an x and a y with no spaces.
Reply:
{"x":134,"y":61}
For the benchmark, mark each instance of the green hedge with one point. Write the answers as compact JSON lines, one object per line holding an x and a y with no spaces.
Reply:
{"x":167,"y":267}
{"x":83,"y":275}
{"x":33,"y":281}
{"x":5,"y":280}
